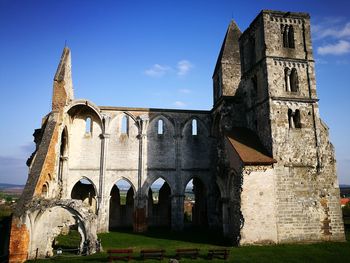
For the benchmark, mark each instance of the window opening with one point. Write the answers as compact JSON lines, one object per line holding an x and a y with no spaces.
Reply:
{"x":160,"y":126}
{"x":291,"y":37}
{"x":159,"y":204}
{"x":44,"y":190}
{"x":194,"y":127}
{"x":121,"y":205}
{"x":288,"y":36}
{"x":285,"y":36}
{"x":88,"y":125}
{"x":296,"y":119}
{"x":124,"y":128}
{"x":294,"y":83}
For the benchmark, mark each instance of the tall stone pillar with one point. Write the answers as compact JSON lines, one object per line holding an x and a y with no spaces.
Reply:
{"x":178,"y":198}
{"x":103,"y":195}
{"x":140,"y":212}
{"x":177,"y":212}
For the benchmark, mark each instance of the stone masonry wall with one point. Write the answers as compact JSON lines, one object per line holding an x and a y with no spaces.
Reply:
{"x":258,"y":206}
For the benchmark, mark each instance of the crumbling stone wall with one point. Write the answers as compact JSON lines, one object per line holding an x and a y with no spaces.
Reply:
{"x":264,"y":83}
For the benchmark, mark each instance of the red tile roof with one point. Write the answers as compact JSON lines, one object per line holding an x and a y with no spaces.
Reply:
{"x":344,"y":201}
{"x":248,"y":146}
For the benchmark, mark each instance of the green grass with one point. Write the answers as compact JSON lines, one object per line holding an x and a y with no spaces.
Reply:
{"x":204,"y":240}
{"x":70,"y":241}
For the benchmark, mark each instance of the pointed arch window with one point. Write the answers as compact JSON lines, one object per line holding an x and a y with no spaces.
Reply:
{"x":44,"y":190}
{"x":160,"y":127}
{"x":194,"y":127}
{"x":88,"y":125}
{"x":294,"y":82}
{"x":124,"y":125}
{"x":285,"y":36}
{"x":291,"y":37}
{"x":288,"y":36}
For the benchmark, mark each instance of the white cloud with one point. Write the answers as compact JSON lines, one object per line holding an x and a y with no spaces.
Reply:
{"x":340,"y":48}
{"x":185,"y":91}
{"x":183,"y":67}
{"x":157,"y":70}
{"x":321,"y":61}
{"x":179,"y":104}
{"x":323,"y":31}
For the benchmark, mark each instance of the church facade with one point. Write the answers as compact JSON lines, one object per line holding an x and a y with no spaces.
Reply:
{"x":262,"y":165}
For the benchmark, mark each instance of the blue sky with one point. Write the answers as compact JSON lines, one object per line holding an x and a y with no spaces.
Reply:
{"x":146,"y":54}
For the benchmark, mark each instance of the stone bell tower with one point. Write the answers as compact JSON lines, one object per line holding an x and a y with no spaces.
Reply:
{"x":278,"y":75}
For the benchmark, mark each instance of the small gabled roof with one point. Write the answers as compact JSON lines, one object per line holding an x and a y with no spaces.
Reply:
{"x":229,"y":51}
{"x":248,"y":147}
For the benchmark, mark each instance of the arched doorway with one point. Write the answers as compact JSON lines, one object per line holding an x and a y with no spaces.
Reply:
{"x":195,"y":203}
{"x":159,"y":204}
{"x":121,"y":206}
{"x":56,"y":223}
{"x":84,"y":190}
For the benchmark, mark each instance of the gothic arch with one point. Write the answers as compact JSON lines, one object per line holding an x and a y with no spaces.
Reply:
{"x":196,"y":211}
{"x":120,"y":179}
{"x":166,"y":119}
{"x":151,"y":179}
{"x":162,"y":115}
{"x":159,"y":207}
{"x":118,"y":117}
{"x":121,"y":207}
{"x":72,"y":109}
{"x":188,"y":121}
{"x":83,"y":192}
{"x":50,"y":221}
{"x":85,"y":178}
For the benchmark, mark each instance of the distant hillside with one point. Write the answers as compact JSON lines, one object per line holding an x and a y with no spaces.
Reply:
{"x":11,"y":186}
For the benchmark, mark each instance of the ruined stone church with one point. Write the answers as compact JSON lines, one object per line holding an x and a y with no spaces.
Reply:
{"x":262,"y":165}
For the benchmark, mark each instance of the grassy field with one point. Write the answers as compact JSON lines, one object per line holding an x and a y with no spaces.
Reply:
{"x":320,"y":252}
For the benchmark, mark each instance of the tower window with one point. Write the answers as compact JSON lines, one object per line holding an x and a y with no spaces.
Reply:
{"x":88,"y":125}
{"x":160,"y":127}
{"x":294,"y":83}
{"x":194,"y":127}
{"x":291,"y":37}
{"x":124,"y":127}
{"x":288,"y":36}
{"x":294,"y":119}
{"x":291,"y":80}
{"x":285,"y":36}
{"x":290,"y":119}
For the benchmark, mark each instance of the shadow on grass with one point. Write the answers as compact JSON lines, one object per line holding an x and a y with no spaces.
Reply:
{"x":197,"y":235}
